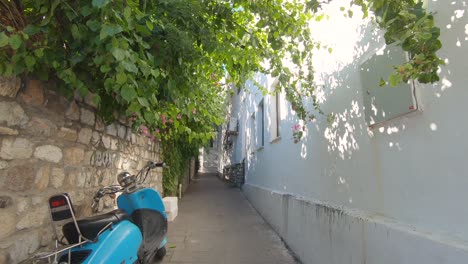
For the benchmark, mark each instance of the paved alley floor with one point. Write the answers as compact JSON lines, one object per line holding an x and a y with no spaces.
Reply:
{"x":216,"y":224}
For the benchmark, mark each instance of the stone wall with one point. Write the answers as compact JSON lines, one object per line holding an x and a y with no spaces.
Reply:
{"x":49,"y":145}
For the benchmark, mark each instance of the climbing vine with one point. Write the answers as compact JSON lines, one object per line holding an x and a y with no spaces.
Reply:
{"x":164,"y":63}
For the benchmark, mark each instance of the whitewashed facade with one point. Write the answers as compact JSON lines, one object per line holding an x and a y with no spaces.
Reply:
{"x":392,"y":193}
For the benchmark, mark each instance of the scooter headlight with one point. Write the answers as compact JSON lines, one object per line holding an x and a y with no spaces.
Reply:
{"x":125,"y":179}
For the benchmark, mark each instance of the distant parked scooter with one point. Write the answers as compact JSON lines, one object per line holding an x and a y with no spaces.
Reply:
{"x":134,"y":233}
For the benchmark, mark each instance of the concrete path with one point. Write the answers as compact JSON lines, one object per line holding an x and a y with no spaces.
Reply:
{"x":216,"y":224}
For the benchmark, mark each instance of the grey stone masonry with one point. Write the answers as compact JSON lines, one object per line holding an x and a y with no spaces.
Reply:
{"x":49,"y":145}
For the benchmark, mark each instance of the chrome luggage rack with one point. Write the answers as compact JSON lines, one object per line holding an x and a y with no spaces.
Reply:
{"x":62,"y":212}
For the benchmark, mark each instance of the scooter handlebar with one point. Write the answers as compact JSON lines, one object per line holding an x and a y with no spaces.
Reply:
{"x":152,"y":165}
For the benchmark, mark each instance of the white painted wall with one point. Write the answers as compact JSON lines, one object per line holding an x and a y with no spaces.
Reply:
{"x":409,"y":173}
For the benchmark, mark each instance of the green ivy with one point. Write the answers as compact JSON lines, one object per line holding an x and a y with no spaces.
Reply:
{"x":161,"y":63}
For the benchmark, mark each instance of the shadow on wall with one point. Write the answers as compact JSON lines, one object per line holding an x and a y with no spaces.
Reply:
{"x":339,"y":93}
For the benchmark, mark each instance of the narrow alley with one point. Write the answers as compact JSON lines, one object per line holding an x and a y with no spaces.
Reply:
{"x":216,"y":224}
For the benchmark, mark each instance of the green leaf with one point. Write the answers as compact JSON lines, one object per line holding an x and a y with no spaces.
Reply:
{"x":149,"y":25}
{"x":31,"y":30}
{"x":395,"y":79}
{"x":129,"y":66}
{"x":93,"y":25}
{"x":143,"y":101}
{"x":97,"y":99}
{"x":127,"y":12}
{"x":15,"y":42}
{"x":4,"y":39}
{"x":121,"y":78}
{"x":39,"y":53}
{"x":86,"y":11}
{"x":75,"y":32}
{"x":30,"y":61}
{"x":109,"y":30}
{"x":149,"y":117}
{"x":128,"y":93}
{"x":155,"y":73}
{"x":118,"y":54}
{"x":104,"y":68}
{"x":100,"y":3}
{"x":382,"y":82}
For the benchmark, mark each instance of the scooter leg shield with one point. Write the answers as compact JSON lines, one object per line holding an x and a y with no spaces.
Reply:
{"x":118,"y":244}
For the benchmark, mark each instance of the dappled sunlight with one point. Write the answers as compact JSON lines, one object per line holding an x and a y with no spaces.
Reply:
{"x":340,"y":135}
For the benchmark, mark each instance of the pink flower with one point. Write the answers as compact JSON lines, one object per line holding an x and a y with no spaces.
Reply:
{"x":194,"y":111}
{"x":179,"y":117}
{"x":157,"y":131}
{"x":171,"y":121}
{"x":296,"y":127}
{"x":163,"y":118}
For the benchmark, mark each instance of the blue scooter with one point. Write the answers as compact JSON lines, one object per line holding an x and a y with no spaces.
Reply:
{"x":134,"y":233}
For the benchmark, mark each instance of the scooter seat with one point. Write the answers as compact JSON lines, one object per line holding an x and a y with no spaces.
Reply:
{"x":91,"y":226}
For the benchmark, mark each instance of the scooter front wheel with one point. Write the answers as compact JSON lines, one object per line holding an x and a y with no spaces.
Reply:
{"x":161,"y":253}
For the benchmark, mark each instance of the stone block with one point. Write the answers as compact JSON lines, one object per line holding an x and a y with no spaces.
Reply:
{"x":5,"y":201}
{"x":3,"y":164}
{"x":40,"y":127}
{"x":88,"y":157}
{"x":77,"y":96}
{"x":33,"y":218}
{"x":114,"y":144}
{"x":74,"y":156}
{"x":106,"y":141}
{"x":16,"y":148}
{"x":8,"y":131}
{"x":111,"y":130}
{"x":20,"y":178}
{"x":89,"y":100}
{"x":4,"y":258}
{"x":95,"y":139}
{"x":128,"y":135}
{"x":8,"y":223}
{"x":22,"y":204}
{"x":71,"y":176}
{"x":73,"y":111}
{"x":67,"y":134}
{"x":134,"y":138}
{"x":170,"y":203}
{"x":42,"y":178}
{"x":99,"y":124}
{"x":121,"y":131}
{"x":84,"y":136}
{"x":49,"y":153}
{"x":23,"y":245}
{"x":9,"y":86}
{"x":33,"y":93}
{"x":46,"y":236}
{"x":81,"y":179}
{"x":87,"y":117}
{"x":57,"y":177}
{"x":12,"y":114}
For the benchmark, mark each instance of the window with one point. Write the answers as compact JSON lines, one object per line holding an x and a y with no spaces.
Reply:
{"x":260,"y":125}
{"x":275,"y":113}
{"x":251,"y":136}
{"x":385,"y":103}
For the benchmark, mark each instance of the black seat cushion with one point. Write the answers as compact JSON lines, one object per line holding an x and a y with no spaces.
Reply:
{"x":91,"y":226}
